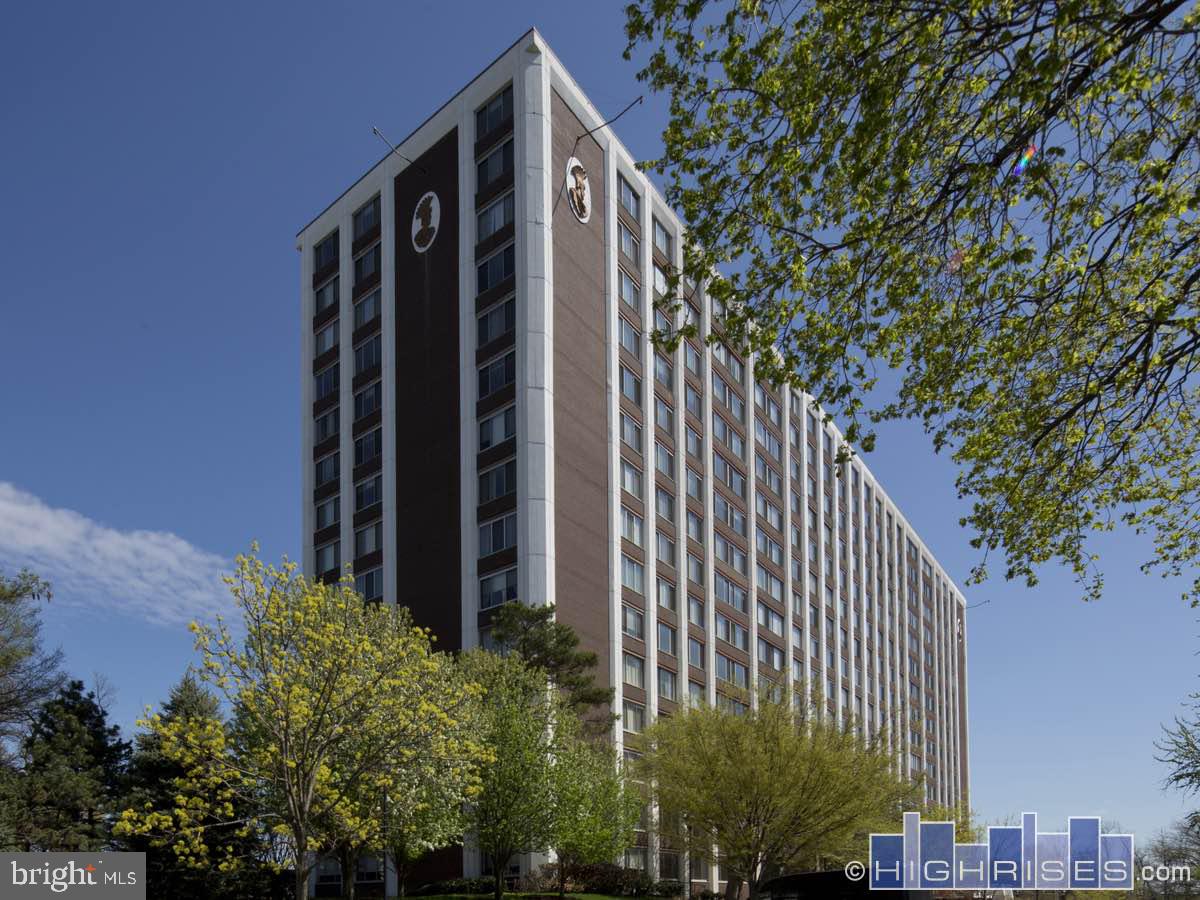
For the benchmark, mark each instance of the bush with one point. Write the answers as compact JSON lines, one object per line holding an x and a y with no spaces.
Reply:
{"x":668,"y":887}
{"x":544,"y":880}
{"x":455,"y":886}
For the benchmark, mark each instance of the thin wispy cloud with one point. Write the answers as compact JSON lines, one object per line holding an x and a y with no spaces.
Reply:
{"x":155,"y":576}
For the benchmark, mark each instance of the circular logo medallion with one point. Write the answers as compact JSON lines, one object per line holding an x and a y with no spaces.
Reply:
{"x":579,"y":191}
{"x":426,"y":218}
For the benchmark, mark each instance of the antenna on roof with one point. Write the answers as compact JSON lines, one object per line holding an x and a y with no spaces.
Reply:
{"x":379,"y":134}
{"x":609,"y":122}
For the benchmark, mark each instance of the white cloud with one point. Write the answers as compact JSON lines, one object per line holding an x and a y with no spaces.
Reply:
{"x":151,"y":575}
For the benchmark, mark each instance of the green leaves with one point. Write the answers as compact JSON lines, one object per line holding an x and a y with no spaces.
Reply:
{"x":832,"y":157}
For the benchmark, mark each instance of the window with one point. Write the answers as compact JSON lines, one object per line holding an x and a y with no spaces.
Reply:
{"x":329,"y":556}
{"x":369,"y":584}
{"x":366,"y":309}
{"x":328,"y":512}
{"x":726,"y":512}
{"x":368,"y":493}
{"x":633,"y":719}
{"x":631,"y":432}
{"x":495,"y":269}
{"x":769,"y":619}
{"x":369,"y":447}
{"x":494,"y":217}
{"x":692,"y":401}
{"x":325,"y":426}
{"x":769,"y":511}
{"x":498,"y":481}
{"x":368,"y":354}
{"x":695,"y":653}
{"x":695,"y":444}
{"x":498,"y":588}
{"x":633,"y":574}
{"x":729,"y":476}
{"x":666,"y":639}
{"x":326,"y":339}
{"x":732,"y":633}
{"x":494,"y":166}
{"x":695,"y":527}
{"x":768,"y":405}
{"x":633,"y":623}
{"x":666,"y":684}
{"x":695,"y":484}
{"x":664,"y":460}
{"x":664,"y":415}
{"x":731,"y":594}
{"x":767,"y":438}
{"x":325,"y":383}
{"x":696,"y":698}
{"x":769,"y":654}
{"x":735,"y":366}
{"x":631,"y":526}
{"x":630,"y":245}
{"x":666,"y":550}
{"x":769,"y":583}
{"x":733,"y":672}
{"x":497,"y":374}
{"x":696,"y":611}
{"x":726,"y":396}
{"x":494,"y":112}
{"x":661,"y":281}
{"x":767,"y":475}
{"x":728,"y":436}
{"x":664,"y":503}
{"x":629,"y":199}
{"x":695,"y":568}
{"x":662,"y":239}
{"x":496,"y":321}
{"x":631,"y":386}
{"x":769,"y":548}
{"x":368,"y":400}
{"x":666,"y":594}
{"x":326,"y":296}
{"x":628,"y":289}
{"x":325,"y":253}
{"x":630,"y":338}
{"x":663,"y":371}
{"x":497,"y":427}
{"x":368,"y":539}
{"x":692,"y":358}
{"x":366,"y":218}
{"x":631,"y":478}
{"x":635,"y":670}
{"x":367,"y":265}
{"x":497,"y":535}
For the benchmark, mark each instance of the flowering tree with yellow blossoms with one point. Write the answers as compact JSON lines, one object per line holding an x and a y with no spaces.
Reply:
{"x":335,"y":704}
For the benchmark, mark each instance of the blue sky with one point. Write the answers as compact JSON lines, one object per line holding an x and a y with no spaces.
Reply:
{"x":156,"y":163}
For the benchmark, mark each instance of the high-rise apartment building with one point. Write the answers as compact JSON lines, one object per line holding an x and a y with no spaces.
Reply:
{"x":485,"y":419}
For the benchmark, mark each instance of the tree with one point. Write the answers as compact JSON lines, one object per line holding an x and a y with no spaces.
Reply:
{"x":534,"y":634}
{"x":152,"y":786}
{"x":73,"y":775}
{"x":514,"y":811}
{"x":330,"y":697}
{"x":595,"y":809}
{"x":772,"y":790}
{"x":28,"y":674}
{"x":995,"y":203}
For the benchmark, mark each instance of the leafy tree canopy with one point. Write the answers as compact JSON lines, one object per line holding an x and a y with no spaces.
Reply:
{"x":995,"y":199}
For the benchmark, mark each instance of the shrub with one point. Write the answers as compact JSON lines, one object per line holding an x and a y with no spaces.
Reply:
{"x":668,"y":887}
{"x":455,"y":886}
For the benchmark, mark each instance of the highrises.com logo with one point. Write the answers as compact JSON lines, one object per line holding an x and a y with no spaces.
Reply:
{"x":925,"y":856}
